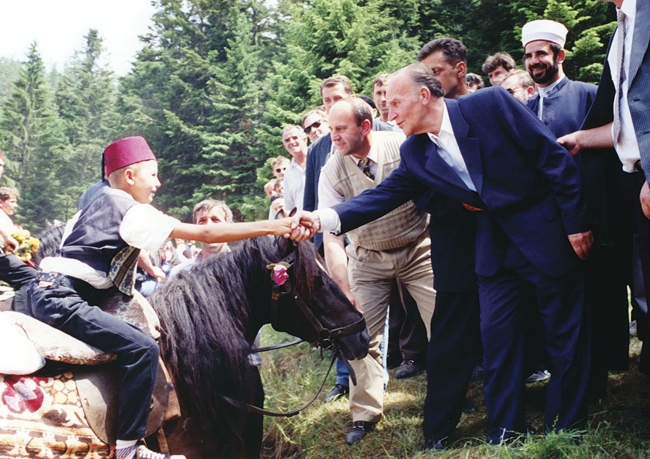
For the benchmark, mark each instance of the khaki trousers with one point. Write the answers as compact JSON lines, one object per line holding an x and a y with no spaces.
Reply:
{"x":371,"y":274}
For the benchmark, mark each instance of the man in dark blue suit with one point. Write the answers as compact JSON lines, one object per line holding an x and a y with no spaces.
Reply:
{"x":490,"y":152}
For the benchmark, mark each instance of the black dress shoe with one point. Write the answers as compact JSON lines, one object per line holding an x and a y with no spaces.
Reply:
{"x":359,"y":430}
{"x":435,"y":445}
{"x":339,"y":391}
{"x":408,"y":369}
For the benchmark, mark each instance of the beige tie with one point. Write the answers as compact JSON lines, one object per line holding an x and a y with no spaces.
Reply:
{"x":620,"y":56}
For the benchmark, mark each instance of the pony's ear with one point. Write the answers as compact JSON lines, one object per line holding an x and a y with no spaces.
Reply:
{"x":286,"y":246}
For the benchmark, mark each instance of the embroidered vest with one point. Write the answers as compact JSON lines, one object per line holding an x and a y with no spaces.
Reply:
{"x":95,"y":239}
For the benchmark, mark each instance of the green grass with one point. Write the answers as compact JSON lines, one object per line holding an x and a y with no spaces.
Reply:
{"x":619,"y":426}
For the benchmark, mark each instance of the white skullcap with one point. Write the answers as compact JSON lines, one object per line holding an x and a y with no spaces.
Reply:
{"x":543,"y":29}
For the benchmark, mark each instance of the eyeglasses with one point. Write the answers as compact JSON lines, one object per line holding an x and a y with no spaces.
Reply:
{"x":280,"y":169}
{"x":513,"y":91}
{"x":314,"y":125}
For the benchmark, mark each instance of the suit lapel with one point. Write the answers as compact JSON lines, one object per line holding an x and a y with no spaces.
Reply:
{"x":640,"y":38}
{"x":469,"y":147}
{"x":443,"y":176}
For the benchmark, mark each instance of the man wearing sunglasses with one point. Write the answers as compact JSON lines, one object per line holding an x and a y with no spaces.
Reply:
{"x":519,"y":84}
{"x":315,"y":124}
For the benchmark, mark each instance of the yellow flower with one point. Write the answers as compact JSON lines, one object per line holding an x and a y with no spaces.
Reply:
{"x":27,"y":245}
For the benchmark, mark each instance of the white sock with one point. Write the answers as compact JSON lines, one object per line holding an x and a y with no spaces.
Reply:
{"x":125,"y":449}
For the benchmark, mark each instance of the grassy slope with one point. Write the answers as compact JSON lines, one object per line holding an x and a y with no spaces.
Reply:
{"x":619,"y":425}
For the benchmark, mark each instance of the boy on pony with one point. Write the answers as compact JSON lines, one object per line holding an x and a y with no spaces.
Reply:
{"x":98,"y":258}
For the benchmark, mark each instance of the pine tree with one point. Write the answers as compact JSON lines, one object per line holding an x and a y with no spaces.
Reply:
{"x":33,"y":142}
{"x":195,"y":95}
{"x":86,"y":104}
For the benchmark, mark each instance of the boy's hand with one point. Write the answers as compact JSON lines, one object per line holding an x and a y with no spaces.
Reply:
{"x":282,"y":227}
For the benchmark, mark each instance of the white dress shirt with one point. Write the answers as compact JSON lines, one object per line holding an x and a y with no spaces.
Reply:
{"x":294,"y":186}
{"x":449,"y":150}
{"x":627,"y":146}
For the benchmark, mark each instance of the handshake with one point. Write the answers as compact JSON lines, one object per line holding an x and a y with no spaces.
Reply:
{"x":304,"y":225}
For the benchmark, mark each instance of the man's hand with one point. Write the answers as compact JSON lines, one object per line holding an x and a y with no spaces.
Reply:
{"x":581,"y":243}
{"x":471,"y":208}
{"x":304,"y":225}
{"x":10,"y":243}
{"x":353,"y":300}
{"x":570,"y":142}
{"x":644,"y":196}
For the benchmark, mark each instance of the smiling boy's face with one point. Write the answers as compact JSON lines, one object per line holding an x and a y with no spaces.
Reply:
{"x":143,"y":181}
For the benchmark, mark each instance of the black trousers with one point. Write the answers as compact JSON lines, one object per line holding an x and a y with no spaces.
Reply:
{"x":14,"y":272}
{"x":60,"y":305}
{"x":632,"y":185}
{"x":18,"y":275}
{"x":561,"y":303}
{"x":451,"y":357}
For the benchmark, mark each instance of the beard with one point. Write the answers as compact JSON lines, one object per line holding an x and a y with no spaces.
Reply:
{"x":548,"y":75}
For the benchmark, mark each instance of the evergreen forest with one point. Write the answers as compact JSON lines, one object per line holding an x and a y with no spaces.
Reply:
{"x":215,"y":81}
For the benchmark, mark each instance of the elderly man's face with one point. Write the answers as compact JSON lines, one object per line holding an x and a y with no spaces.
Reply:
{"x":405,"y":107}
{"x":295,"y":141}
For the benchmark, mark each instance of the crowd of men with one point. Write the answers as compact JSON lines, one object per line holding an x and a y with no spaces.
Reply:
{"x":531,"y":244}
{"x":503,"y":224}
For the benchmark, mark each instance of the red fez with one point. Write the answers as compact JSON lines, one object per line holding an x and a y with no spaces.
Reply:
{"x":126,"y":152}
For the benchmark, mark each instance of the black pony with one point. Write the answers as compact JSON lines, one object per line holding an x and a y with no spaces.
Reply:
{"x":210,"y":316}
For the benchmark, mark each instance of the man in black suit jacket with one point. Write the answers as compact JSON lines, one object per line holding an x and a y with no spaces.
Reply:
{"x":493,"y":154}
{"x":625,"y":124}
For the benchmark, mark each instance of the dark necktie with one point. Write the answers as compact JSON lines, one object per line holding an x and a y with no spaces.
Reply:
{"x":620,"y":57}
{"x":365,"y":167}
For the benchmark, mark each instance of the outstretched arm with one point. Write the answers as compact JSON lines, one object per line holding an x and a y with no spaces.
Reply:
{"x":229,"y":232}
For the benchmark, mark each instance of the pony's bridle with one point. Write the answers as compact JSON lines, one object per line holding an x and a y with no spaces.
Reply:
{"x":325,"y":337}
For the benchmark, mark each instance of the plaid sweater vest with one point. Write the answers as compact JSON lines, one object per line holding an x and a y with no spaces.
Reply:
{"x":394,"y":230}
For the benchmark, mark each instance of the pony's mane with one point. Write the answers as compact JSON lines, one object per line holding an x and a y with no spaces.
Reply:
{"x":50,"y":241}
{"x":204,"y":314}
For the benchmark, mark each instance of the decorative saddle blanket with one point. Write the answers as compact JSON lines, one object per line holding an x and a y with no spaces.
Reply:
{"x":74,"y":416}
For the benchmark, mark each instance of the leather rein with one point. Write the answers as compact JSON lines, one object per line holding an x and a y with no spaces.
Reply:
{"x":325,"y":340}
